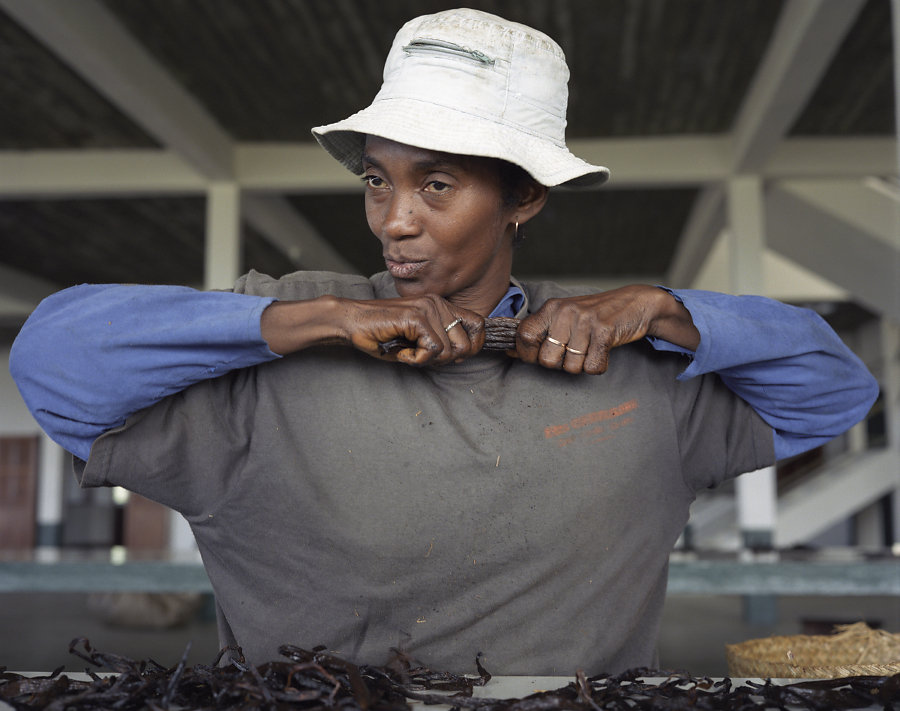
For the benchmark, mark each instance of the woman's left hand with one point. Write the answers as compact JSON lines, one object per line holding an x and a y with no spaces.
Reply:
{"x":576,"y":333}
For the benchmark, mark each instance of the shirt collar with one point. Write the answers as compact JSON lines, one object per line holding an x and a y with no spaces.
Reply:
{"x":510,"y":304}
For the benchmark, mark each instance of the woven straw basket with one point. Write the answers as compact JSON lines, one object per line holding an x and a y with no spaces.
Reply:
{"x":855,"y":650}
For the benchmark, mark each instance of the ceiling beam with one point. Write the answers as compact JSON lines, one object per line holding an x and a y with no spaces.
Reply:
{"x":807,"y":35}
{"x":95,"y":173}
{"x":291,"y":167}
{"x":869,"y":205}
{"x":293,"y":234}
{"x":92,"y":41}
{"x":667,"y":161}
{"x":87,"y":37}
{"x":826,"y":157}
{"x":829,"y":234}
{"x":306,"y":168}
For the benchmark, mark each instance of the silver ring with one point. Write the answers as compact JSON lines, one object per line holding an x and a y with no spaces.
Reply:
{"x":452,"y":324}
{"x":572,"y":350}
{"x":555,"y":342}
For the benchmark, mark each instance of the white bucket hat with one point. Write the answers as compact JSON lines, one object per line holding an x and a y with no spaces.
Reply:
{"x":471,"y":83}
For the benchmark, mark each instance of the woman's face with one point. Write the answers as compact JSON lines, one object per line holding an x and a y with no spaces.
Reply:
{"x":443,"y":226}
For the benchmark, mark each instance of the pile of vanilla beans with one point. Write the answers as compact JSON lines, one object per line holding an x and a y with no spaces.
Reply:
{"x":315,"y":680}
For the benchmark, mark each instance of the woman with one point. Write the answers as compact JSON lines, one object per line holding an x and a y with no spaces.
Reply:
{"x":520,"y":507}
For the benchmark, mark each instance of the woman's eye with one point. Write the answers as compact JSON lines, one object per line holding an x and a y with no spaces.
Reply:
{"x":373,"y":181}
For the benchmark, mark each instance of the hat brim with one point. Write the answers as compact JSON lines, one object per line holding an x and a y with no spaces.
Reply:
{"x":450,"y":130}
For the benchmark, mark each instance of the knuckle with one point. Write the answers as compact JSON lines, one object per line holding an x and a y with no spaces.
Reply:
{"x":548,"y":362}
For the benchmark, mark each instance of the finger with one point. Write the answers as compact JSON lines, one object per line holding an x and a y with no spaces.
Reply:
{"x":425,"y":348}
{"x":597,"y":359}
{"x":473,"y":325}
{"x":553,"y":352}
{"x":575,"y":357}
{"x":433,"y":323}
{"x":459,"y":334}
{"x":457,"y":337}
{"x":465,"y":334}
{"x":530,"y":336}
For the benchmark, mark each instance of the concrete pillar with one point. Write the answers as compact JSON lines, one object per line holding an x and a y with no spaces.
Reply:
{"x":756,"y":492}
{"x":757,"y":508}
{"x":895,"y":23}
{"x":49,"y":513}
{"x":222,"y":264}
{"x":181,"y":539}
{"x":746,"y":234}
{"x":890,"y":390}
{"x":892,"y":406}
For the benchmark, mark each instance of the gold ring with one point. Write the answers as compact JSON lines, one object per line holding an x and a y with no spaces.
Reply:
{"x":452,"y":324}
{"x":555,"y":342}
{"x":572,"y":350}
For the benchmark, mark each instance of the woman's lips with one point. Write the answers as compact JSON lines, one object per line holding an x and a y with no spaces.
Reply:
{"x":404,"y":270}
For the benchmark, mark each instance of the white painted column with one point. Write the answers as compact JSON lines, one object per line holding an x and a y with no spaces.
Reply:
{"x":891,"y":331}
{"x":757,"y":507}
{"x":222,"y":263}
{"x":746,"y":234}
{"x":49,"y":513}
{"x":755,"y":491}
{"x":895,"y":26}
{"x":890,"y":392}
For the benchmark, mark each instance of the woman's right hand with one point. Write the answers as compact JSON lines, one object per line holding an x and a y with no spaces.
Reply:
{"x":290,"y":326}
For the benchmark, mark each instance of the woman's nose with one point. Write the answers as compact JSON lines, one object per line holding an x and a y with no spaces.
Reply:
{"x":399,"y":219}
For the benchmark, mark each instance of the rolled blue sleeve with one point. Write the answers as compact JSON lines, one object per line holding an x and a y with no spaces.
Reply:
{"x":90,"y":356}
{"x":785,"y":361}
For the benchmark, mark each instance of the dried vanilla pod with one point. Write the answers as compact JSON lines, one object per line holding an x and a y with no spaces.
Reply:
{"x":319,"y":681}
{"x":499,"y":335}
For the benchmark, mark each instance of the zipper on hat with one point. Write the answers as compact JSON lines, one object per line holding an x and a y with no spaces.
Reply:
{"x":432,"y":46}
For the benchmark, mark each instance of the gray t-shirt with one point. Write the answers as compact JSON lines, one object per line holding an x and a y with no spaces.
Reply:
{"x":488,"y":506}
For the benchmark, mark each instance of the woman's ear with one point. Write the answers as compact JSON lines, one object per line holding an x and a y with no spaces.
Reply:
{"x":533,"y":198}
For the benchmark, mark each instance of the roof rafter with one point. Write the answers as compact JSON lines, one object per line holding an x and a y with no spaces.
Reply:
{"x":89,"y":173}
{"x":842,"y":230}
{"x":806,"y":37}
{"x":92,"y":41}
{"x":89,"y":39}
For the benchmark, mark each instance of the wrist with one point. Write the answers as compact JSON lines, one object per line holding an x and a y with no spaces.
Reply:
{"x":672,"y":321}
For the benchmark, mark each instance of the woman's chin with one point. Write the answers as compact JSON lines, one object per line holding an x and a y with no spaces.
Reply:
{"x":415,"y":287}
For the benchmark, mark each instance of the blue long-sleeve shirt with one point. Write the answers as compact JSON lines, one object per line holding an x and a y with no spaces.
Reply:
{"x":90,"y":356}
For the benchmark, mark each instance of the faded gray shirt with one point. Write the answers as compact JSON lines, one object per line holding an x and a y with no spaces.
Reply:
{"x":488,"y":506}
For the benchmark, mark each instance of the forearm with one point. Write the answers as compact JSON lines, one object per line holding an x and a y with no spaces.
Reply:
{"x":784,"y":361}
{"x":290,"y":326}
{"x":91,"y":355}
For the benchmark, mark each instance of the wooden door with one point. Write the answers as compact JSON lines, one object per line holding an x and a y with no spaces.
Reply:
{"x":146,"y":525}
{"x":18,"y":486}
